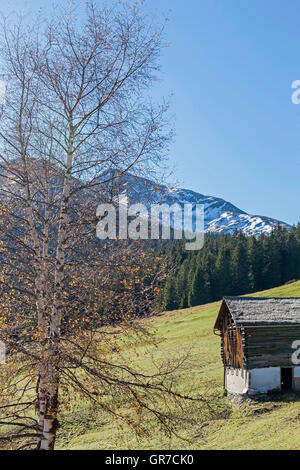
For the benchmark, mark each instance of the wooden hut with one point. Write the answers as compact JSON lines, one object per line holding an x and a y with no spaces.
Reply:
{"x":260,"y":344}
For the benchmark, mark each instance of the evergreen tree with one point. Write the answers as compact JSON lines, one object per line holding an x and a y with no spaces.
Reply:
{"x":255,"y":260}
{"x":200,"y":289}
{"x":230,"y":265}
{"x":240,"y":267}
{"x":223,"y":273}
{"x":170,"y":301}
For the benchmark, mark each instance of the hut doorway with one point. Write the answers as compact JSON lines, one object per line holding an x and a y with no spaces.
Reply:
{"x":286,"y":378}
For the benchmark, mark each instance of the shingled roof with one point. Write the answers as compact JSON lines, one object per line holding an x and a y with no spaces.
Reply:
{"x":262,"y":311}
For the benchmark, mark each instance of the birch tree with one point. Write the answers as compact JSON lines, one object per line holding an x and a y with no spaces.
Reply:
{"x":76,"y":116}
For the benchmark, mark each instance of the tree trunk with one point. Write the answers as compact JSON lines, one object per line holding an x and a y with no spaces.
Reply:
{"x":48,"y":398}
{"x":50,"y":421}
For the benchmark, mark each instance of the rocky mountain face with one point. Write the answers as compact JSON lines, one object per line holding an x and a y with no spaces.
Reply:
{"x":220,"y":216}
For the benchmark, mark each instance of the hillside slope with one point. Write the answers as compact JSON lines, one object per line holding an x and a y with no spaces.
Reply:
{"x":273,"y":425}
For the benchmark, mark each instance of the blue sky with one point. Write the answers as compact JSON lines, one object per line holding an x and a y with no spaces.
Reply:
{"x":230,"y":66}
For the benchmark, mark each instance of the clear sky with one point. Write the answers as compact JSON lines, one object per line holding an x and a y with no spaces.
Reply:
{"x":230,"y":66}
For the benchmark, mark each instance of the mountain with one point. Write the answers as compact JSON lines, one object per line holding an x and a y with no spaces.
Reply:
{"x":220,"y":216}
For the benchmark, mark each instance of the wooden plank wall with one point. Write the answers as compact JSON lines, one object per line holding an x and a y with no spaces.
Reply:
{"x":232,"y":343}
{"x":270,"y":346}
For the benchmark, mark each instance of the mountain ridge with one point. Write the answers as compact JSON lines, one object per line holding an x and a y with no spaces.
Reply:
{"x":220,"y":216}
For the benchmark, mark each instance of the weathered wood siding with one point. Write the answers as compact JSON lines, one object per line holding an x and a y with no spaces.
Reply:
{"x":232,"y":343}
{"x":270,"y":346}
{"x":256,"y":347}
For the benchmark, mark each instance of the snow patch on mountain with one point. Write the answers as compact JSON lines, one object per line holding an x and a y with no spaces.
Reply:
{"x":220,"y":216}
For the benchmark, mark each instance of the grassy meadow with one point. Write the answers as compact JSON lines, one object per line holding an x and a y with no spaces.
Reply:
{"x":263,"y":425}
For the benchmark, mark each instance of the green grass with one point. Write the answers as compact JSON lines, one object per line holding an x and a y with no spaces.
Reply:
{"x":276,"y":425}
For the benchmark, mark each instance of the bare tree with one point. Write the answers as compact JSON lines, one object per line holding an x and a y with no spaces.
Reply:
{"x":76,"y":109}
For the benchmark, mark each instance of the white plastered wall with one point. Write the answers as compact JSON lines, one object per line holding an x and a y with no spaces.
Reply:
{"x":262,"y":380}
{"x":265,"y":379}
{"x":297,"y":372}
{"x":296,"y":383}
{"x":236,"y":380}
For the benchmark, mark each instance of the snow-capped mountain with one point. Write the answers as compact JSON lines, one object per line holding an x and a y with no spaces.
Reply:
{"x":220,"y":216}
